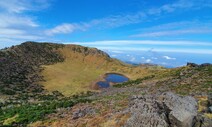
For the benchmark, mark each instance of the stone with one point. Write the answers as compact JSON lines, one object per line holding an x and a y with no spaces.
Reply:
{"x":164,"y":110}
{"x":192,"y":64}
{"x":210,"y":109}
{"x":205,"y":65}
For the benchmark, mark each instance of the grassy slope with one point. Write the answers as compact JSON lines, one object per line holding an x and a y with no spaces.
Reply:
{"x":79,"y":72}
{"x":192,"y":80}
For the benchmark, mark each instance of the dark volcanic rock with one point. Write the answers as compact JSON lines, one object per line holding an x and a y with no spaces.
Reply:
{"x":163,"y":110}
{"x":192,"y":64}
{"x":209,"y":103}
{"x":200,"y":65}
{"x":205,"y":65}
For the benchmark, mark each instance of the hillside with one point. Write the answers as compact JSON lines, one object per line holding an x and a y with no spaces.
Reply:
{"x":20,"y":66}
{"x":46,"y":84}
{"x":179,"y":93}
{"x":69,"y":69}
{"x":82,"y":67}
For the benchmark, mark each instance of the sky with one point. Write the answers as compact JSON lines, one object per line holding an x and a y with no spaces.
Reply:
{"x":165,"y":32}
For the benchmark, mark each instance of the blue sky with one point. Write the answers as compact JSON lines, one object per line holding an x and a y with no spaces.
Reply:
{"x":165,"y":32}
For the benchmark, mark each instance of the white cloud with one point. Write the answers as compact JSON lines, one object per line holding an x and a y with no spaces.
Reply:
{"x":141,"y":42}
{"x":118,"y":20}
{"x":148,"y":60}
{"x":169,"y":58}
{"x":133,"y":18}
{"x":154,"y":58}
{"x":164,"y":63}
{"x":16,"y":25}
{"x":6,"y":31}
{"x":9,"y":34}
{"x":146,"y":45}
{"x":132,"y":59}
{"x":19,"y":6}
{"x":173,"y":32}
{"x":179,"y":25}
{"x":63,"y":29}
{"x":142,"y":57}
{"x":180,"y":5}
{"x":113,"y":55}
{"x":16,"y":20}
{"x":102,"y":23}
{"x":117,"y":51}
{"x":13,"y":6}
{"x":174,"y":50}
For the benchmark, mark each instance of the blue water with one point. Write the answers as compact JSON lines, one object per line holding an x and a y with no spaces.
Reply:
{"x":103,"y":84}
{"x":114,"y":78}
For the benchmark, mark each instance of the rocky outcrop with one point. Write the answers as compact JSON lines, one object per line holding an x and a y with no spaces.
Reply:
{"x":165,"y":110}
{"x":192,"y":64}
{"x":200,"y":65}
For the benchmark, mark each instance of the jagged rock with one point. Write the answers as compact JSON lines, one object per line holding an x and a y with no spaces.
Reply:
{"x":183,"y":110}
{"x":192,"y":64}
{"x":210,"y":109}
{"x":196,"y":65}
{"x":205,"y":64}
{"x":164,"y":110}
{"x":210,"y":99}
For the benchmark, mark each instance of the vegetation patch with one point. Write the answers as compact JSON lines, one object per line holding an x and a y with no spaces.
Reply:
{"x":27,"y":113}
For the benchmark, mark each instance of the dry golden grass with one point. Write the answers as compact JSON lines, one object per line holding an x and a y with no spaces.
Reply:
{"x":116,"y":121}
{"x":202,"y":103}
{"x":202,"y":106}
{"x":79,"y":71}
{"x":208,"y":115}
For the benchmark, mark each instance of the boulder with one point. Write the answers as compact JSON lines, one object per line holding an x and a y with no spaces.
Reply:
{"x":205,"y":65}
{"x":182,"y":110}
{"x":165,"y":110}
{"x":192,"y":64}
{"x":210,"y":109}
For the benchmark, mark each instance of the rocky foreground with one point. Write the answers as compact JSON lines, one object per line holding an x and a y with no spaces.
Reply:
{"x":164,"y":110}
{"x":153,"y":110}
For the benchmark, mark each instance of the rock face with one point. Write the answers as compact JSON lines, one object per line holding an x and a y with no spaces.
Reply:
{"x":192,"y":64}
{"x":165,"y":110}
{"x":196,"y":65}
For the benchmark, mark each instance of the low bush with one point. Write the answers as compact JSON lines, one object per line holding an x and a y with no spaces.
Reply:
{"x":28,"y":113}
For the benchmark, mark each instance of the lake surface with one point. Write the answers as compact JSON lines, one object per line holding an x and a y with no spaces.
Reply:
{"x":112,"y":78}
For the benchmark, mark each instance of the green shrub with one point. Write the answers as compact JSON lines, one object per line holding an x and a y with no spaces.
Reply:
{"x":33,"y":112}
